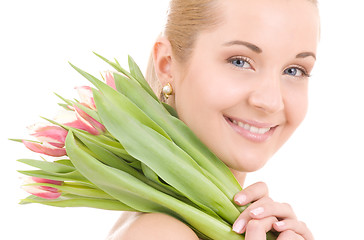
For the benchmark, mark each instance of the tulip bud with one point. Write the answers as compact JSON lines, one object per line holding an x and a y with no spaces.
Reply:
{"x":45,"y":148}
{"x":51,"y":140}
{"x":42,"y":191}
{"x":110,"y":80}
{"x":86,"y":96}
{"x":52,"y":134}
{"x":85,"y":122}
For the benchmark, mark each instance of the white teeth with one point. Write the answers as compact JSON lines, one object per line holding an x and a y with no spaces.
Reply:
{"x":251,"y":128}
{"x":254,"y":129}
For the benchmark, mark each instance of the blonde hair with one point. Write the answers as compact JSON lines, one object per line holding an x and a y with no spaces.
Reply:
{"x":186,"y":18}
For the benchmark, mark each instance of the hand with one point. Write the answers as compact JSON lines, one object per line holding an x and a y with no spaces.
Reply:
{"x":264,"y":215}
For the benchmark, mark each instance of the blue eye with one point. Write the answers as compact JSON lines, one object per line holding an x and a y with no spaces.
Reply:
{"x":240,"y":62}
{"x":296,"y":72}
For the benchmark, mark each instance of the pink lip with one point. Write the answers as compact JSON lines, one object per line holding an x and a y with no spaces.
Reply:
{"x":255,"y":123}
{"x":254,"y":137}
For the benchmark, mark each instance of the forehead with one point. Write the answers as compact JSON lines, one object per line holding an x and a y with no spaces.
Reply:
{"x":283,"y":22}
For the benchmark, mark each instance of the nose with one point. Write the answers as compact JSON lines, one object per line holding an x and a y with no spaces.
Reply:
{"x":267,"y":95}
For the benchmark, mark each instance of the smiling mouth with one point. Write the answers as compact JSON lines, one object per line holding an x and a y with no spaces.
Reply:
{"x":251,"y":131}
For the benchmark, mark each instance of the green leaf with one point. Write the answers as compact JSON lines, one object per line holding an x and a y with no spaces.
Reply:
{"x":68,"y":102}
{"x":135,"y":93}
{"x":66,"y":162}
{"x":116,"y":66}
{"x":21,"y":140}
{"x":150,"y":174}
{"x":71,"y":176}
{"x":52,"y":167}
{"x":104,"y":142}
{"x":170,"y":109}
{"x":105,"y":156}
{"x":76,"y":201}
{"x":64,"y":106}
{"x":138,"y":75}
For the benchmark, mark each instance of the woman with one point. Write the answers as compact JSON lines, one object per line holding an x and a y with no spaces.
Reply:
{"x":237,"y":73}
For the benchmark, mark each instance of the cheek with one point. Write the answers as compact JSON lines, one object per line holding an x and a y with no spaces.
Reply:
{"x":200,"y":100}
{"x":296,"y":105}
{"x":202,"y":92}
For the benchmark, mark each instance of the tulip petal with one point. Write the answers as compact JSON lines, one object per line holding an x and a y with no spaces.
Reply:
{"x":44,"y":149}
{"x":74,"y":120}
{"x":54,"y":135}
{"x":86,"y":96}
{"x":78,"y":124}
{"x":43,"y":193}
{"x":43,"y":180}
{"x":98,"y":128}
{"x":110,"y":80}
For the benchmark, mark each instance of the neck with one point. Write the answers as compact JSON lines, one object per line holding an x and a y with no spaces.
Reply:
{"x":240,"y":176}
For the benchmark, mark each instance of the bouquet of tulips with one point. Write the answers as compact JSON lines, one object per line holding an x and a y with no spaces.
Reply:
{"x":126,"y":150}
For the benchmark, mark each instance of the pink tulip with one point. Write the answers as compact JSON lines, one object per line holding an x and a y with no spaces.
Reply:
{"x":86,"y":96}
{"x":110,"y":80}
{"x":45,"y":148}
{"x":54,"y":135}
{"x":85,"y":92}
{"x":42,"y":191}
{"x":51,"y":140}
{"x":85,"y":122}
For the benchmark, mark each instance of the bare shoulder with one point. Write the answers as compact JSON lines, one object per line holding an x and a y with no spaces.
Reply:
{"x":154,"y":226}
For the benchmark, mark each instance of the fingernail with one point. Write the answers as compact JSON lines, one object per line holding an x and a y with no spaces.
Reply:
{"x":279,"y":224}
{"x":257,"y":211}
{"x":240,"y":199}
{"x":239,"y":225}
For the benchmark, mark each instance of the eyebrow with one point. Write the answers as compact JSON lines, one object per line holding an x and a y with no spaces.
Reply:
{"x":256,"y":49}
{"x":306,"y":54}
{"x":243,"y":43}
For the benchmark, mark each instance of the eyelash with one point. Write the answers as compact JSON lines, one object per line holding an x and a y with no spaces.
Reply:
{"x":230,"y":60}
{"x":305,"y":74}
{"x":244,"y":59}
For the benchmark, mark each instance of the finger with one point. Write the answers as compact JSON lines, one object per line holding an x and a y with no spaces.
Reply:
{"x":244,"y":217}
{"x":265,"y":209}
{"x":296,"y":226}
{"x":289,"y":235}
{"x":251,"y":193}
{"x":257,"y":229}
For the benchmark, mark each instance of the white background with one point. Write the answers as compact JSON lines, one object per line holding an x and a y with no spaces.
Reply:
{"x":319,"y":171}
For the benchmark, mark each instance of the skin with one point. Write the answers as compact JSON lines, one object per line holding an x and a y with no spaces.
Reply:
{"x":251,"y":68}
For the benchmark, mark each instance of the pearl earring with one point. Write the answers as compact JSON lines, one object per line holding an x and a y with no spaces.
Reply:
{"x":167,"y":90}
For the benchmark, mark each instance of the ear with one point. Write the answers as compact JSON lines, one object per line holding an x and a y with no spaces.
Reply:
{"x":162,"y":57}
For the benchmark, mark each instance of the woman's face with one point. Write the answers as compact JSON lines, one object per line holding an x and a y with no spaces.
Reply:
{"x":244,"y":88}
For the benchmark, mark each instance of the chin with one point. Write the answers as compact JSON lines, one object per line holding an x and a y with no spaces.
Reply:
{"x":246,"y":165}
